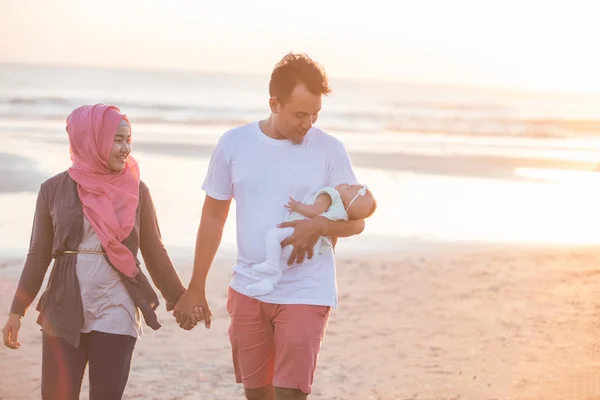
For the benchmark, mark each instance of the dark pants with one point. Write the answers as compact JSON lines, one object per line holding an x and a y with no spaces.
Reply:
{"x":63,"y":366}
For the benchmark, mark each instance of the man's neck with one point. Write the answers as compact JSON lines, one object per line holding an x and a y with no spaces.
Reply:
{"x":267,"y":127}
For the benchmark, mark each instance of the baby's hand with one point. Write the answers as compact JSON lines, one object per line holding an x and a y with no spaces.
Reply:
{"x":292,"y":205}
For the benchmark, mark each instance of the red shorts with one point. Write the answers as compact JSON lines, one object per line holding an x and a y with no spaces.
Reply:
{"x":275,"y":344}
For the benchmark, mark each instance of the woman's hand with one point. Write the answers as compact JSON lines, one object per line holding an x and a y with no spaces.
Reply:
{"x":10,"y":332}
{"x":192,"y":308}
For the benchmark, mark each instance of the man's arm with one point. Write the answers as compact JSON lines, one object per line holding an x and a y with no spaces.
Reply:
{"x":339,"y":229}
{"x":208,"y":239}
{"x":210,"y":233}
{"x":346,"y":228}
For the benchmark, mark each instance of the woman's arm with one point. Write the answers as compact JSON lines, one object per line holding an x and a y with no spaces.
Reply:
{"x":38,"y":258}
{"x":159,"y":265}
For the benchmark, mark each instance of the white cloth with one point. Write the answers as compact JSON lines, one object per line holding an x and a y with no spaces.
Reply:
{"x":269,"y":272}
{"x":107,"y":306}
{"x":335,"y":212}
{"x":261,"y":173}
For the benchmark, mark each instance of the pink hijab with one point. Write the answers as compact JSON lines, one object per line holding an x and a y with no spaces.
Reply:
{"x":110,"y":199}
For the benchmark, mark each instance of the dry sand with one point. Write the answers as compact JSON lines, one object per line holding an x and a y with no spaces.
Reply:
{"x":441,"y":321}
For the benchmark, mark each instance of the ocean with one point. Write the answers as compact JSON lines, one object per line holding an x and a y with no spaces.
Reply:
{"x":33,"y":92}
{"x":445,"y":163}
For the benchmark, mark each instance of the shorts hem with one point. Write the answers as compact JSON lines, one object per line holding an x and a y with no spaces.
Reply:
{"x":282,"y":383}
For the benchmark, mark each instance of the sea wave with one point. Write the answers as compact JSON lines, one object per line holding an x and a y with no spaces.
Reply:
{"x":421,"y":117}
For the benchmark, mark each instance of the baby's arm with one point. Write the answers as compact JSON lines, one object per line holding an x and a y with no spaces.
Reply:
{"x":322,"y":203}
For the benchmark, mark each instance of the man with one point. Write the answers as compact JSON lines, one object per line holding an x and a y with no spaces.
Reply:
{"x":275,"y":338}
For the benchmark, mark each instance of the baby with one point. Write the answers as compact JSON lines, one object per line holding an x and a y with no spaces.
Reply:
{"x":336,"y":204}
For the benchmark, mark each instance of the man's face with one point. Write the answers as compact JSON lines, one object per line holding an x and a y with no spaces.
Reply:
{"x":295,"y":117}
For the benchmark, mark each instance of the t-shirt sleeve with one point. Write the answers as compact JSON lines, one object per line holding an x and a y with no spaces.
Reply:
{"x":217,"y":183}
{"x":339,"y":165}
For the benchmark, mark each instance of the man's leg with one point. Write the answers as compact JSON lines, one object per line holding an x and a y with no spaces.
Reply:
{"x":264,"y":393}
{"x":289,"y":394}
{"x":252,"y":348}
{"x":299,"y":332}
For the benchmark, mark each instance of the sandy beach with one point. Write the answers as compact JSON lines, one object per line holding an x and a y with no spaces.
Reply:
{"x":440,"y":321}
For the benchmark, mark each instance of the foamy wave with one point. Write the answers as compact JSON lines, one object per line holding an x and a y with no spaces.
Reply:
{"x":434,"y":117}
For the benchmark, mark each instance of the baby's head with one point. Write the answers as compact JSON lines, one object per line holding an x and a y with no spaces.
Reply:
{"x":358,"y":200}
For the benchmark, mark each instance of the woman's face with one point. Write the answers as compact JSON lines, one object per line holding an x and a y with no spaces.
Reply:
{"x":120,"y":149}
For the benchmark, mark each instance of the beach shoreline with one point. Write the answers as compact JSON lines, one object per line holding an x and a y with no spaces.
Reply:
{"x":438,"y":321}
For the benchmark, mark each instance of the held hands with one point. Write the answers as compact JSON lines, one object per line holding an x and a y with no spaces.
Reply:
{"x":10,"y":332}
{"x":192,"y":308}
{"x":197,"y":316}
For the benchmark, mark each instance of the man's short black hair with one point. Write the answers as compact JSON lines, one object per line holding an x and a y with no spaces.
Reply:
{"x":297,"y":68}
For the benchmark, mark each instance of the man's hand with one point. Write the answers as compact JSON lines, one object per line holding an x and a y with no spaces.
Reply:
{"x":306,"y":234}
{"x":191,"y":307}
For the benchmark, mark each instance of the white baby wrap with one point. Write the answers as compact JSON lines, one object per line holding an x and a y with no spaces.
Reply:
{"x":271,"y":270}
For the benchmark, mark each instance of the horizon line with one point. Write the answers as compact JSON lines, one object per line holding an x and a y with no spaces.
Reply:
{"x":475,"y":87}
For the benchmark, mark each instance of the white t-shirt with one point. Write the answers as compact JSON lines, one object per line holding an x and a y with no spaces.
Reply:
{"x":261,"y":173}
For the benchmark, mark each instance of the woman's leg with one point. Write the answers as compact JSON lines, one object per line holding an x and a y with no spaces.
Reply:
{"x":110,"y":361}
{"x":62,"y":367}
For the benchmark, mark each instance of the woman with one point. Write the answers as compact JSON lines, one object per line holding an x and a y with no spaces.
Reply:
{"x":92,"y":219}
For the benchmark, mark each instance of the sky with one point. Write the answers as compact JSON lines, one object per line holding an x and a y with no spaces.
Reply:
{"x":529,"y":44}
